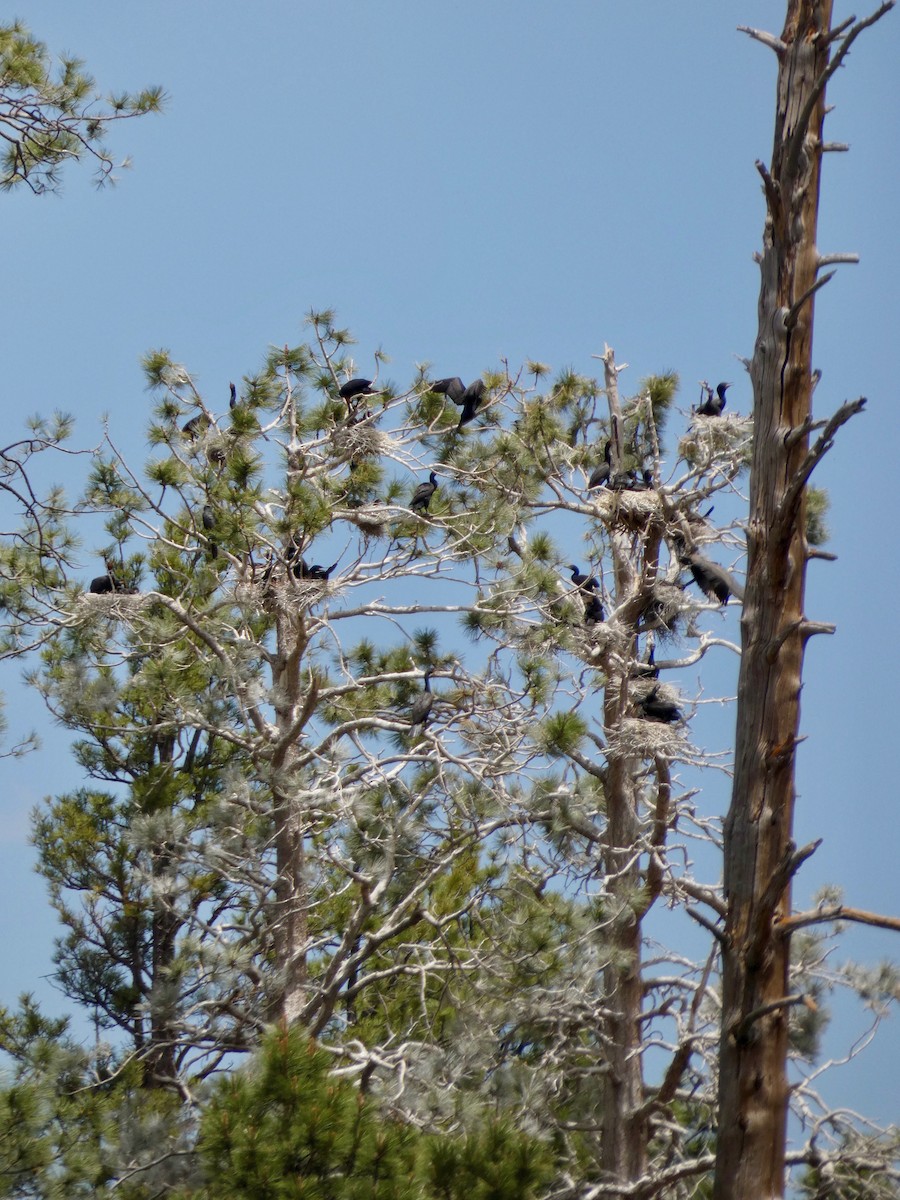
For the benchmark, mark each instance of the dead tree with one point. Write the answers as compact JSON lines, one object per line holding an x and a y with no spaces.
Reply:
{"x":760,"y":855}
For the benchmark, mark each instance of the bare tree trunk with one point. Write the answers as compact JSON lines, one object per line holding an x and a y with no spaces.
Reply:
{"x":624,"y":1135}
{"x":760,"y":856}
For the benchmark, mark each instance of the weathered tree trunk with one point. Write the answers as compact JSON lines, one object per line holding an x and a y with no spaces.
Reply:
{"x":760,"y":857}
{"x":624,"y":1135}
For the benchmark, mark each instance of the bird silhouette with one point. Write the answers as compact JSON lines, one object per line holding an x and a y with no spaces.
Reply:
{"x":208,"y":517}
{"x":420,"y":709}
{"x":593,"y":611}
{"x":104,"y":584}
{"x":196,"y":426}
{"x":584,"y":583}
{"x":452,"y":386}
{"x":422,"y":495}
{"x":654,"y":708}
{"x":356,"y":387}
{"x":713,"y":404}
{"x":471,"y":399}
{"x":712,"y":579}
{"x":232,"y":399}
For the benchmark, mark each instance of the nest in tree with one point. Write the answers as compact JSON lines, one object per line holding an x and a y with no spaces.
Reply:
{"x":665,"y":605}
{"x":356,"y":442}
{"x":637,"y":737}
{"x":712,"y":439}
{"x":370,"y":519}
{"x":631,"y":509}
{"x":111,"y":604}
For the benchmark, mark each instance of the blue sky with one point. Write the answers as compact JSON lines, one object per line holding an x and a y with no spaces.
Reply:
{"x":465,"y":183}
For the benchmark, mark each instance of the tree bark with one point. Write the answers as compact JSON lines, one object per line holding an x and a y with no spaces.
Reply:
{"x":759,"y":854}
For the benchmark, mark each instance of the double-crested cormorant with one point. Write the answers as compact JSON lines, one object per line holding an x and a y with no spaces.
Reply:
{"x":208,"y":517}
{"x":422,"y":495}
{"x":624,"y":481}
{"x":585,"y":583}
{"x":232,"y":399}
{"x":593,"y":610}
{"x":420,"y":709}
{"x":356,"y":387}
{"x":653,"y":708}
{"x":646,"y":670}
{"x":471,"y":399}
{"x":713,"y":404}
{"x":317,"y":572}
{"x":196,"y":426}
{"x":713,"y":579}
{"x":104,"y":584}
{"x":600,"y":475}
{"x":452,"y":386}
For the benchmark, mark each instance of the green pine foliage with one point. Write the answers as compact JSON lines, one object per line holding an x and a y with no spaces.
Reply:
{"x":51,"y":114}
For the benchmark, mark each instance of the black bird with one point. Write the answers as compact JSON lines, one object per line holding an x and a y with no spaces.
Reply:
{"x":196,"y":426}
{"x":585,"y":583}
{"x":423,"y":493}
{"x":420,"y":709}
{"x":316,"y":571}
{"x":208,"y":517}
{"x":232,"y":399}
{"x":713,"y":579}
{"x":471,"y":399}
{"x":600,"y":475}
{"x":593,"y":611}
{"x":104,"y":584}
{"x":713,"y":404}
{"x":356,"y":387}
{"x":452,"y":386}
{"x":656,"y":709}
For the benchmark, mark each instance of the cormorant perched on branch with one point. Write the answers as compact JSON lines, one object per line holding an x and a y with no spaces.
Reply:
{"x":655,"y":709}
{"x":208,"y":518}
{"x":646,"y":670}
{"x":600,"y":475}
{"x":712,"y":406}
{"x":471,"y":399}
{"x":452,"y":386}
{"x":356,"y":387}
{"x":232,"y":399}
{"x":104,"y":584}
{"x":713,"y":579}
{"x":422,"y":495}
{"x":420,"y":709}
{"x":585,"y":583}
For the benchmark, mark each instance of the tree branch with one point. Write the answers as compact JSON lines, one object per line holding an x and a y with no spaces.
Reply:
{"x":836,"y":912}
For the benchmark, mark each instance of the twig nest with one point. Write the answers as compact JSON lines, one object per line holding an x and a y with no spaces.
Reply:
{"x":714,"y":438}
{"x":370,"y":519}
{"x":111,"y":604}
{"x":635,"y":737}
{"x":631,"y":508}
{"x":359,"y":441}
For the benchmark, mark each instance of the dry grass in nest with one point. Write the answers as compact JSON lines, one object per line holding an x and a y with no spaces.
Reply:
{"x":713,"y":438}
{"x":633,"y":509}
{"x":111,"y":604}
{"x":359,"y":441}
{"x":637,"y":738}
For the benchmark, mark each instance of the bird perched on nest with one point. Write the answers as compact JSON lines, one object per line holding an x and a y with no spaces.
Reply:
{"x":104,"y":584}
{"x":600,"y":475}
{"x":421,"y":497}
{"x":654,"y":708}
{"x":713,"y":404}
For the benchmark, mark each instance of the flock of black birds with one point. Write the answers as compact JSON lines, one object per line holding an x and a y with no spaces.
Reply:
{"x":712,"y":579}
